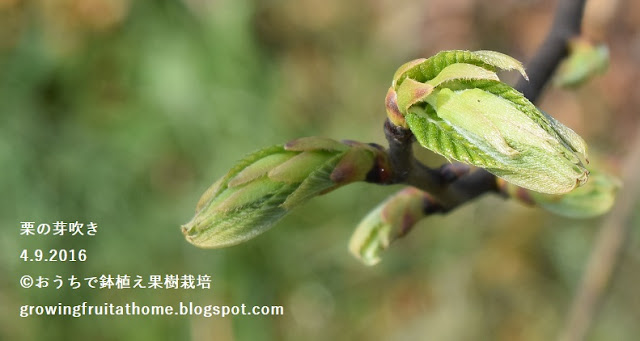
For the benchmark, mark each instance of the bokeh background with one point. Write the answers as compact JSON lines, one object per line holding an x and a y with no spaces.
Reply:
{"x":123,"y":112}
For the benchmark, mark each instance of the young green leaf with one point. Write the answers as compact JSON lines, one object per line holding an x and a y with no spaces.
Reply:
{"x":267,"y":184}
{"x":423,"y":70}
{"x":501,"y":61}
{"x":456,"y":106}
{"x":585,"y":61}
{"x":389,"y":221}
{"x":595,"y":198}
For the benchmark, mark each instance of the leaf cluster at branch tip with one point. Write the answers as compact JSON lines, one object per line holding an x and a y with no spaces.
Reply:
{"x":455,"y":105}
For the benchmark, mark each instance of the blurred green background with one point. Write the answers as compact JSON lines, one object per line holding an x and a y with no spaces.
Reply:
{"x":123,"y":112}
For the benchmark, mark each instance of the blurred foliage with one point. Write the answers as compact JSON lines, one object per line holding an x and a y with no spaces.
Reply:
{"x":122,"y":112}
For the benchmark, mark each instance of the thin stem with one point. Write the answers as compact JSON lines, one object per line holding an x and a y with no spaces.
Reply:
{"x":407,"y":169}
{"x":566,"y":25}
{"x":400,"y":151}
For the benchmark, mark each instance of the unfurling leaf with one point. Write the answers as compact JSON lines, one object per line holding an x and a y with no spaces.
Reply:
{"x":267,"y":184}
{"x":595,"y":198}
{"x":585,"y":61}
{"x":456,"y":106}
{"x":389,"y":221}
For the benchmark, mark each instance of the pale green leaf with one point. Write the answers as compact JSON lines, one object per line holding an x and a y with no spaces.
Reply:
{"x":423,"y":70}
{"x":390,"y":220}
{"x":595,"y":198}
{"x":297,"y":168}
{"x":314,"y":184}
{"x":560,"y":132}
{"x":461,"y":71}
{"x":478,"y":116}
{"x":221,"y":184}
{"x":437,"y":135}
{"x":411,"y":92}
{"x":404,"y":68}
{"x":504,"y":134}
{"x":314,"y":143}
{"x":221,"y":229}
{"x":371,"y":237}
{"x":501,"y":61}
{"x":259,"y":168}
{"x":240,"y":197}
{"x":266,"y":185}
{"x":585,"y":61}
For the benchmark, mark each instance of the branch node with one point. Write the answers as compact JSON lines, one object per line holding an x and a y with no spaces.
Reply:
{"x":450,"y":172}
